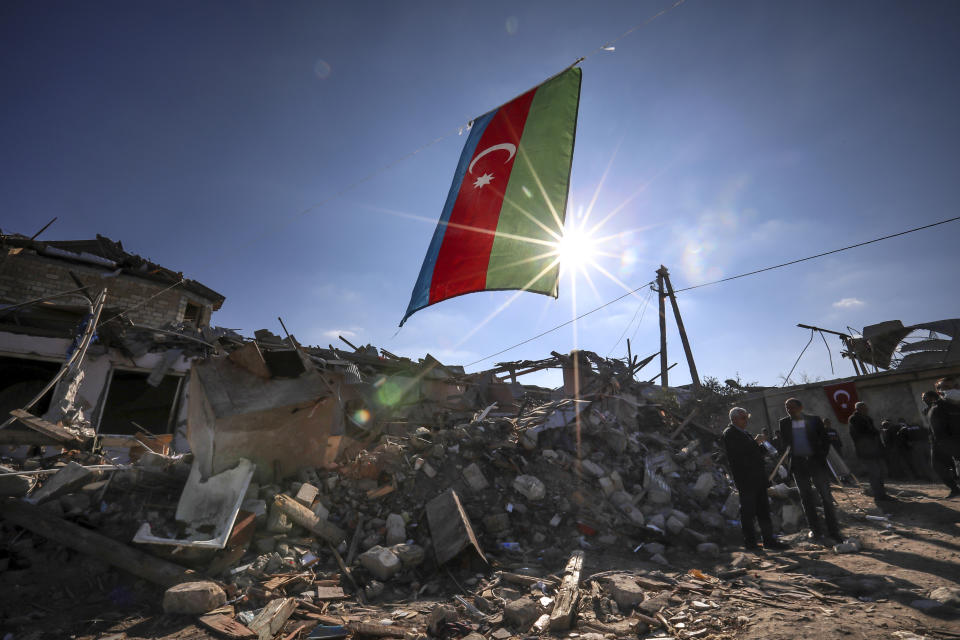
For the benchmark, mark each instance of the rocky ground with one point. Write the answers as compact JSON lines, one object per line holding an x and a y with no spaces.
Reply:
{"x":904,"y":583}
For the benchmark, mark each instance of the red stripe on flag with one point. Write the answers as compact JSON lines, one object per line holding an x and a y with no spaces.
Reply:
{"x":464,"y":256}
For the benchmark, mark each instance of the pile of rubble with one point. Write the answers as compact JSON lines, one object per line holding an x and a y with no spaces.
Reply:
{"x":422,"y":498}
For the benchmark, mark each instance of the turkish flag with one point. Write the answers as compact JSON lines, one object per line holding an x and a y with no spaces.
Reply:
{"x":842,"y":397}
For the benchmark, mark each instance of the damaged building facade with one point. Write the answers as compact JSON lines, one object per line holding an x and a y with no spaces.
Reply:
{"x":134,"y":372}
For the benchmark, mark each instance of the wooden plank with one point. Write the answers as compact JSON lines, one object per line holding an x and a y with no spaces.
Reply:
{"x":55,"y":431}
{"x":566,"y":604}
{"x":522,"y":580}
{"x":379,"y":492}
{"x":272,"y":617}
{"x":44,"y":523}
{"x":226,"y":626}
{"x":376,"y":630}
{"x":683,"y":424}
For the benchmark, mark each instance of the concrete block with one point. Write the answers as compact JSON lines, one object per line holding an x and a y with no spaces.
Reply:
{"x":14,"y":486}
{"x":193,"y":597}
{"x":593,"y":468}
{"x":674,"y":525}
{"x":71,"y":477}
{"x":635,"y":515}
{"x":410,"y":555}
{"x":617,"y":480}
{"x":475,"y":478}
{"x":320,"y":510}
{"x":381,"y":562}
{"x":624,"y":590}
{"x":306,"y":494}
{"x":792,"y":517}
{"x":731,"y":508}
{"x":654,"y":548}
{"x":530,"y":486}
{"x":607,"y":486}
{"x":521,"y":612}
{"x":704,"y":485}
{"x":396,"y":529}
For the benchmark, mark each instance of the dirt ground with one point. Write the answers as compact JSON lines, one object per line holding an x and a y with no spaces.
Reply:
{"x":805,"y":592}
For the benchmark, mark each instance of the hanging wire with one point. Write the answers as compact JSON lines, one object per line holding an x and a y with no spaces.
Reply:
{"x":641,"y":306}
{"x":829,"y":353}
{"x":819,"y":255}
{"x":787,"y":379}
{"x":634,"y":334}
{"x":559,"y":326}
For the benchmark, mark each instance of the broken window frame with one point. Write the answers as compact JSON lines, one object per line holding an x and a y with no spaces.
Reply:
{"x":178,"y":398}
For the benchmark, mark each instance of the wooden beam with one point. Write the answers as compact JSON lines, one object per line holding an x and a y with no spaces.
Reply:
{"x":683,"y":424}
{"x":683,"y":332}
{"x":44,"y":523}
{"x":50,"y":430}
{"x":566,"y":603}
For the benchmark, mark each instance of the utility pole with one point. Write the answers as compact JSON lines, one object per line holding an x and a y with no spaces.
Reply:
{"x":663,"y":327}
{"x":666,"y":289}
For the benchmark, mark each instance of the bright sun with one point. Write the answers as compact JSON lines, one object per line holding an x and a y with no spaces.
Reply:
{"x":576,"y":249}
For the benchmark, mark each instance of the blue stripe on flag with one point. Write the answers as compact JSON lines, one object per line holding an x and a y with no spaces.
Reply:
{"x":420,"y":297}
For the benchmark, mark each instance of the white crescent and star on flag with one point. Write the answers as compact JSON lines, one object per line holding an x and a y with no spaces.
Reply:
{"x":836,"y":398}
{"x":487,"y":178}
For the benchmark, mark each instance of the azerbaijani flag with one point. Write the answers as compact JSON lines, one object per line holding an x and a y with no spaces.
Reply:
{"x":506,"y":206}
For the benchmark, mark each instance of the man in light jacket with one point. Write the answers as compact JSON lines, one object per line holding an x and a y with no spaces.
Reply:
{"x":809,"y":444}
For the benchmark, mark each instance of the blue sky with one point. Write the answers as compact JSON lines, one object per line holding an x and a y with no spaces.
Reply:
{"x":726,"y":136}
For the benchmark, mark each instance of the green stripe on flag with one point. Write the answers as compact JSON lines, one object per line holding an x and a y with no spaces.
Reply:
{"x":537,"y":191}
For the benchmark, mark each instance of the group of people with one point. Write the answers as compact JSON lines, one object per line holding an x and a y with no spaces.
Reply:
{"x":804,"y":443}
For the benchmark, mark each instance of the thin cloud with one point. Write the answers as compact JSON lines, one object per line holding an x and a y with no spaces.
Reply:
{"x":848,"y":303}
{"x":333,"y":334}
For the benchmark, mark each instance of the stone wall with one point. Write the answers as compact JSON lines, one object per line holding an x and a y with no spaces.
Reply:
{"x":27,"y":276}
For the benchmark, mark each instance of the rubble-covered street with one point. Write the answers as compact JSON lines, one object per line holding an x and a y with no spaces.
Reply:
{"x":606,"y":512}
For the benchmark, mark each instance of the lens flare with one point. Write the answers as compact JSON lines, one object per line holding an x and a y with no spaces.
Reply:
{"x":322,"y":69}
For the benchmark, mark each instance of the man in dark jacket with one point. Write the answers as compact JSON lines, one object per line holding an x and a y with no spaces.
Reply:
{"x":869,"y":447}
{"x":745,"y":454}
{"x":809,"y":444}
{"x":944,"y":418}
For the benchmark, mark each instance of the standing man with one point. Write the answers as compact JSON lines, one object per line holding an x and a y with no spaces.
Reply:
{"x":944,"y":417}
{"x":834,"y":456}
{"x":809,"y":444}
{"x":869,"y":447}
{"x":745,"y":455}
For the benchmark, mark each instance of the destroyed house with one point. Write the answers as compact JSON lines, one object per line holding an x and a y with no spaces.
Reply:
{"x":152,"y":323}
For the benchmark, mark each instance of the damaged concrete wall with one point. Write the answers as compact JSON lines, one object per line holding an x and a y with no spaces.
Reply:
{"x":282,"y":425}
{"x":890,"y":395}
{"x":98,"y":366}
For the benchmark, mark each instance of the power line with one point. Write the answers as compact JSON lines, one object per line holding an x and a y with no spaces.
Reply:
{"x":561,"y":325}
{"x":706,"y":284}
{"x":819,"y":255}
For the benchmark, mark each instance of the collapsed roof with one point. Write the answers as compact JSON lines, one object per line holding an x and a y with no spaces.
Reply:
{"x":883,"y":343}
